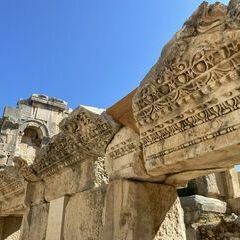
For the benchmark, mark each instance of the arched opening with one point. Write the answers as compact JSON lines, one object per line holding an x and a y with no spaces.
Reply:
{"x":31,"y":141}
{"x":32,"y":136}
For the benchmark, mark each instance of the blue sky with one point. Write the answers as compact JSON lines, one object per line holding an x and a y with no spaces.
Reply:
{"x":88,"y":52}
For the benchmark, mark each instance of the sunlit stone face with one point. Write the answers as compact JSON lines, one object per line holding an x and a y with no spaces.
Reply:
{"x":187,"y":107}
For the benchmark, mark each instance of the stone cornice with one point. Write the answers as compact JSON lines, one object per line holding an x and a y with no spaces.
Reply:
{"x":84,"y":135}
{"x":11,"y":183}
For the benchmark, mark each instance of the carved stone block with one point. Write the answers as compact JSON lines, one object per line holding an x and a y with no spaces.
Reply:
{"x":124,"y":156}
{"x":85,"y":135}
{"x":12,"y":191}
{"x":79,"y":177}
{"x":187,"y":108}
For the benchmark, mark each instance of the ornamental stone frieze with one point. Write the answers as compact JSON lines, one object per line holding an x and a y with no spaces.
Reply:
{"x":12,"y":191}
{"x":124,"y":157}
{"x":10,"y":182}
{"x":84,"y":135}
{"x":187,"y":108}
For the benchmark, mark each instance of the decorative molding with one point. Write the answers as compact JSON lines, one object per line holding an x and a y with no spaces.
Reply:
{"x":11,"y":183}
{"x":185,"y":80}
{"x":85,"y":135}
{"x":206,"y":115}
{"x":198,"y":140}
{"x":192,"y":94}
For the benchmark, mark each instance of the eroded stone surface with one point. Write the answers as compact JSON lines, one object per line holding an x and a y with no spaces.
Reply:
{"x":187,"y":114}
{"x":194,"y":206}
{"x":187,"y":120}
{"x":35,"y":193}
{"x":34,"y":224}
{"x":84,"y":136}
{"x":232,"y":184}
{"x":12,"y":191}
{"x":124,"y":156}
{"x":24,"y":129}
{"x":211,"y":185}
{"x":136,"y":210}
{"x":84,"y":215}
{"x":56,"y":218}
{"x":76,"y":178}
{"x":223,"y":227}
{"x":234,"y":205}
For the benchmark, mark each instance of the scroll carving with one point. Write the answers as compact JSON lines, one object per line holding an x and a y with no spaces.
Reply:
{"x":11,"y":183}
{"x":191,"y":97}
{"x":84,"y":136}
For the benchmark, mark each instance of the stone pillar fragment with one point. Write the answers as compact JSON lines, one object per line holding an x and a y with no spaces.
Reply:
{"x":34,"y":223}
{"x":83,"y":215}
{"x":56,"y":219}
{"x":135,"y":210}
{"x":232,"y":184}
{"x":211,"y":185}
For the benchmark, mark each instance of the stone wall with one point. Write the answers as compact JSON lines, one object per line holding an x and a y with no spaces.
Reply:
{"x":115,"y":178}
{"x":30,"y":125}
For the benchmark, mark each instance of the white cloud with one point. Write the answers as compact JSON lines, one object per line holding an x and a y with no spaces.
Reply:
{"x":222,"y":1}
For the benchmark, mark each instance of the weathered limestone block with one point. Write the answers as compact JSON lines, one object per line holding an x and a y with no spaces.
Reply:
{"x":234,"y":205}
{"x":78,"y":177}
{"x":181,"y":179}
{"x":186,"y":118}
{"x":124,"y":156}
{"x":11,"y":182}
{"x":211,"y":185}
{"x":26,"y":171}
{"x":195,"y":206}
{"x":173,"y":225}
{"x":56,"y":219}
{"x":232,"y":184}
{"x":35,"y":193}
{"x":34,"y":223}
{"x":137,"y":210}
{"x":12,"y":191}
{"x":28,"y":126}
{"x":227,"y":227}
{"x":85,"y":135}
{"x":84,"y":214}
{"x":13,"y":205}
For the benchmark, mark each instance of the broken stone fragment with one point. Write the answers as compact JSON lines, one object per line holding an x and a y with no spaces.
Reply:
{"x":195,"y":206}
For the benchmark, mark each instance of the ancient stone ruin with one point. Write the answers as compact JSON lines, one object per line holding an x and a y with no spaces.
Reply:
{"x":157,"y":165}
